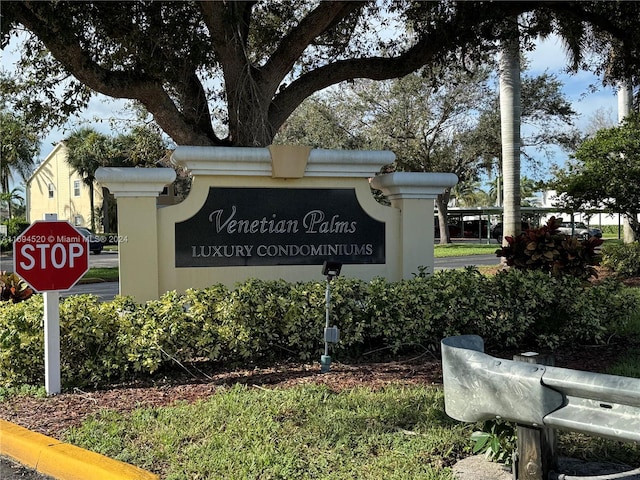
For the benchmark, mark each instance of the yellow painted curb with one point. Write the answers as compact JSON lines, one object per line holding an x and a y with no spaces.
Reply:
{"x":62,"y":460}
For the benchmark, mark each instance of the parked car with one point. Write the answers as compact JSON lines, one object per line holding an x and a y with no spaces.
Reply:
{"x":472,"y":228}
{"x":595,"y":232}
{"x":95,"y":244}
{"x":496,"y":231}
{"x":577,"y":229}
{"x":454,"y":231}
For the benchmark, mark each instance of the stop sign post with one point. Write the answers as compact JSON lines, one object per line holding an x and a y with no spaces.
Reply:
{"x":51,"y":256}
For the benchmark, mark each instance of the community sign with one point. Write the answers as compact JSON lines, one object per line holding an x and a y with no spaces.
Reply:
{"x":274,"y":226}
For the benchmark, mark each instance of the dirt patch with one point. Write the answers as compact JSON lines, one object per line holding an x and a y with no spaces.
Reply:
{"x":477,"y":467}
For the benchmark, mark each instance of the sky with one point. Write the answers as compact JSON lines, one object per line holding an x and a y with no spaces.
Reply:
{"x":548,"y":56}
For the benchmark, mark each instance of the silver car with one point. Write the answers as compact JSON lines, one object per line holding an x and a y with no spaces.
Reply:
{"x":577,"y":229}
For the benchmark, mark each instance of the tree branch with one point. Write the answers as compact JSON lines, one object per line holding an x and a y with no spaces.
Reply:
{"x":317,"y":22}
{"x":460,"y":30}
{"x":228,"y":24}
{"x":117,"y":84}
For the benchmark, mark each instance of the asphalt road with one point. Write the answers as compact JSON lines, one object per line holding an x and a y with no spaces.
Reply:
{"x":10,"y":470}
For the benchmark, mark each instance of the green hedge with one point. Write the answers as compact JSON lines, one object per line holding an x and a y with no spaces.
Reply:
{"x":622,"y":258}
{"x":609,"y":230}
{"x":266,"y":321}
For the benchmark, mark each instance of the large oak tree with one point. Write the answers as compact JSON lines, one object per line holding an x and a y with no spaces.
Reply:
{"x":260,"y":60}
{"x":434,"y":121}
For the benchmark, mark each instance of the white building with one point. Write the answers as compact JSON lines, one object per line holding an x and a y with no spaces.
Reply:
{"x":591,"y":218}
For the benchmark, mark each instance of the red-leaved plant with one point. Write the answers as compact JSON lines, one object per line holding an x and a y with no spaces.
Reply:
{"x":13,"y":288}
{"x":547,"y":249}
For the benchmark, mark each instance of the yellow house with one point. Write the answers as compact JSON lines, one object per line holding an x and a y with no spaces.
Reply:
{"x":56,"y":188}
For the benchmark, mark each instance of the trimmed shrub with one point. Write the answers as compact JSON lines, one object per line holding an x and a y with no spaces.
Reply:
{"x":624,"y":258}
{"x":22,"y":342}
{"x":266,"y":321}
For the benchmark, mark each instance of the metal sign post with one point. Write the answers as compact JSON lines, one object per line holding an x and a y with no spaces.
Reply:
{"x":52,"y":381}
{"x":51,"y":256}
{"x":331,"y":334}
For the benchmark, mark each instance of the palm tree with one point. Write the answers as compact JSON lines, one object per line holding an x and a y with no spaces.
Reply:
{"x":528,"y":188}
{"x":510,"y":111}
{"x":469,"y":194}
{"x":88,"y":150}
{"x":20,"y":146}
{"x":625,"y":100}
{"x":11,"y":197}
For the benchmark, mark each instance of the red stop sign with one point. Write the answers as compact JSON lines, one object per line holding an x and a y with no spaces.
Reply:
{"x":51,"y":255}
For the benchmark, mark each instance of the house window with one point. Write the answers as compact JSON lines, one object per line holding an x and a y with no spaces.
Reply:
{"x":76,"y":188}
{"x":51,"y":190}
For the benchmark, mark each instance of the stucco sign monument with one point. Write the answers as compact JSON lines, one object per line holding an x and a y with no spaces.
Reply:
{"x":271,"y":213}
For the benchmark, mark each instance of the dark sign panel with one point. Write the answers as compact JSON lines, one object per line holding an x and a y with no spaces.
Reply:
{"x":272,"y":226}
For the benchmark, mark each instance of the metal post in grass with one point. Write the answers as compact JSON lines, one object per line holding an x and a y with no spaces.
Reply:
{"x":536,"y":446}
{"x":331,"y":334}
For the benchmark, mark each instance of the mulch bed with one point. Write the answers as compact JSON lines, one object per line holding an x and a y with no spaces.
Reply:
{"x":54,"y":414}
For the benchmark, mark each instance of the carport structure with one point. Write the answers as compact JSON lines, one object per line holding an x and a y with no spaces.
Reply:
{"x":483,"y":216}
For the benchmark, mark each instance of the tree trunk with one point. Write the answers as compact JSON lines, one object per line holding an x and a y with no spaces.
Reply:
{"x":106,"y":228}
{"x":510,"y":111}
{"x":625,"y":101}
{"x":442,"y":202}
{"x":634,"y":226}
{"x":248,"y":101}
{"x":93,"y":213}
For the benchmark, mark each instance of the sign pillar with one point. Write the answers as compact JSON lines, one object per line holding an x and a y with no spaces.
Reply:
{"x":414,"y":194}
{"x":138,"y":215}
{"x":136,"y":190}
{"x":52,"y":381}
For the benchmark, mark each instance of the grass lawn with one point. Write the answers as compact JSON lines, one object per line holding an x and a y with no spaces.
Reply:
{"x":302,"y":432}
{"x":305,"y":432}
{"x":467,"y":248}
{"x":464,"y":249}
{"x":309,"y":431}
{"x":107,"y":274}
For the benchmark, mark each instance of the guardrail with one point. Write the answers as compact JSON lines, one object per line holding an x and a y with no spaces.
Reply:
{"x":539,"y":399}
{"x":480,"y":387}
